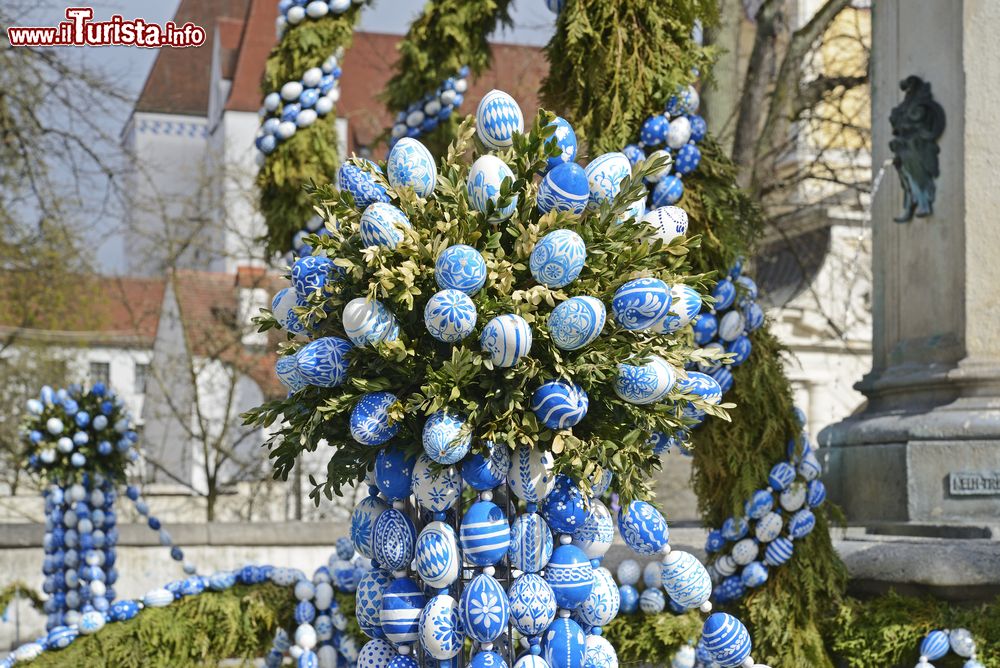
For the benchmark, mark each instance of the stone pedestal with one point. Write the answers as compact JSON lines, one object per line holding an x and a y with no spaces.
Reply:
{"x":927,"y":447}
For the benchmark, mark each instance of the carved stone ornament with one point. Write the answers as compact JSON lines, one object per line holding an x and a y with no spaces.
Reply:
{"x":917,"y":124}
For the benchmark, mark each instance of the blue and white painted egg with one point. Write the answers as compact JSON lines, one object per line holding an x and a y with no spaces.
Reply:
{"x":565,"y":508}
{"x":768,"y":527}
{"x":679,"y":134}
{"x":402,"y":604}
{"x":603,"y":602}
{"x":484,"y":471}
{"x":362,"y":184}
{"x":629,"y":597}
{"x":368,"y":322}
{"x":641,"y":303}
{"x":376,"y":653}
{"x":487,"y":659}
{"x":576,"y":322}
{"x":281,"y":306}
{"x":600,"y":481}
{"x":629,"y":572}
{"x":441,"y":629}
{"x":816,"y":493}
{"x":370,"y":422}
{"x":726,"y":639}
{"x":781,"y":476}
{"x":740,"y":348}
{"x":363,"y":520}
{"x":530,"y":475}
{"x":411,"y":165}
{"x":287,"y":370}
{"x":724,"y":294}
{"x":668,"y":191}
{"x":323,"y":362}
{"x":484,"y":608}
{"x":401,"y":661}
{"x":565,"y":188}
{"x":735,"y":528}
{"x":634,"y":153}
{"x":565,"y":139}
{"x":652,"y":601}
{"x":32,"y":650}
{"x":450,"y":316}
{"x":605,"y":174}
{"x":560,"y":404}
{"x":699,"y":128}
{"x":461,"y":268}
{"x":731,"y":326}
{"x":60,"y":637}
{"x":506,"y":339}
{"x":715,"y":541}
{"x":530,"y":543}
{"x":801,"y":523}
{"x":498,"y":117}
{"x":484,"y":534}
{"x":962,"y":642}
{"x":778,"y":551}
{"x":685,"y":303}
{"x":701,"y":385}
{"x":597,"y":532}
{"x":646,"y":383}
{"x":600,"y":653}
{"x":759,"y":504}
{"x":643,"y":527}
{"x":731,"y":589}
{"x":809,"y":467}
{"x":394,"y":472}
{"x":713,"y":363}
{"x":753,"y":316}
{"x":437,"y":555}
{"x":654,"y":130}
{"x":935,"y":645}
{"x":382,"y":224}
{"x":794,"y":496}
{"x":446,"y":437}
{"x":216,"y":582}
{"x":485,"y":178}
{"x":311,"y":273}
{"x":437,"y":489}
{"x":688,"y":159}
{"x":368,"y":599}
{"x":564,"y":644}
{"x":666,"y":165}
{"x":393,"y":540}
{"x":754,"y":574}
{"x":705,"y":327}
{"x":532,"y":604}
{"x":668,"y":222}
{"x":571,"y":576}
{"x":157,"y":598}
{"x":558,"y":258}
{"x":685,"y":579}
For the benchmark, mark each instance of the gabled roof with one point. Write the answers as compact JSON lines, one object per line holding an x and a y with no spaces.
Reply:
{"x":257,"y":39}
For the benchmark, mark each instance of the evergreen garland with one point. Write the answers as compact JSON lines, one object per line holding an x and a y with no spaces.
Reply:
{"x":309,"y":156}
{"x":19,"y":589}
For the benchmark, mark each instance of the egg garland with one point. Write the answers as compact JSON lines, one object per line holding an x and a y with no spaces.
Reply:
{"x":294,"y":12}
{"x":425,"y":115}
{"x":938,"y":643}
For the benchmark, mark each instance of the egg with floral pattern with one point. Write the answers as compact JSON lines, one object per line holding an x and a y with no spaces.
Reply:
{"x":437,"y":489}
{"x":646,"y":383}
{"x":641,"y":303}
{"x":565,"y":508}
{"x":363,"y":523}
{"x":460,"y":267}
{"x":605,"y":175}
{"x":411,"y":165}
{"x":643,"y":527}
{"x":323,"y":362}
{"x":603,"y":602}
{"x":484,"y":608}
{"x":446,"y":437}
{"x":558,"y":258}
{"x":441,"y":629}
{"x":532,"y":604}
{"x":486,"y":177}
{"x":576,"y":322}
{"x":450,"y":316}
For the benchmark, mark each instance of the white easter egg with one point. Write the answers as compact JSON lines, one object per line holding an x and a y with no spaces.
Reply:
{"x":483,"y":185}
{"x":530,"y":475}
{"x":441,"y":630}
{"x":605,"y":174}
{"x":668,"y":222}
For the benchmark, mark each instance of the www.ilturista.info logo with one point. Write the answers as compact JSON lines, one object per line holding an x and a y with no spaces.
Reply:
{"x":80,"y":30}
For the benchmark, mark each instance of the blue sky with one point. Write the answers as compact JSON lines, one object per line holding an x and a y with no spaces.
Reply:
{"x":129,"y":66}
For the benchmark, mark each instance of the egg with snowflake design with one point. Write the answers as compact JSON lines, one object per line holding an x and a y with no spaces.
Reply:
{"x":461,"y":268}
{"x":530,"y":475}
{"x":498,"y":118}
{"x":564,"y":644}
{"x":368,"y":599}
{"x":362,"y":184}
{"x":668,"y":191}
{"x":484,"y":182}
{"x":370,"y":423}
{"x":597,"y":532}
{"x":446,"y":437}
{"x":685,"y":303}
{"x":726,"y":639}
{"x":699,"y":128}
{"x":484,"y":534}
{"x":450,"y":316}
{"x":634,"y":153}
{"x":531,"y":543}
{"x":643,"y":527}
{"x":599,"y":653}
{"x":376,"y":653}
{"x":768,"y":527}
{"x":565,"y":139}
{"x":486,"y":470}
{"x":402,"y":603}
{"x":576,"y":322}
{"x":558,"y":258}
{"x":571,"y":576}
{"x":605,"y":175}
{"x":323,"y":362}
{"x":646,"y":383}
{"x":394,"y":472}
{"x":641,"y":303}
{"x":564,"y":188}
{"x":484,"y":608}
{"x":679,"y":133}
{"x":393,"y":540}
{"x":506,"y":339}
{"x":382,"y":224}
{"x":437,"y":555}
{"x":287,"y":371}
{"x":602,"y":603}
{"x":565,"y":508}
{"x":559,"y":404}
{"x":532,"y":604}
{"x":668,"y":222}
{"x":368,"y":322}
{"x":441,"y":629}
{"x":437,"y":489}
{"x":411,"y":165}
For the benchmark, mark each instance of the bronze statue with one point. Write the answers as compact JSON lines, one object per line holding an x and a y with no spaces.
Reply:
{"x":917,"y":123}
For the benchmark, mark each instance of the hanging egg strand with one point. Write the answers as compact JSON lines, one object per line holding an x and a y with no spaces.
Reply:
{"x":424,"y":115}
{"x":937,"y":644}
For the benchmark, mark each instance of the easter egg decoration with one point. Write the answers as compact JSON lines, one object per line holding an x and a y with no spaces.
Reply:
{"x":368,"y":599}
{"x":394,"y":472}
{"x":370,"y":422}
{"x":368,"y":322}
{"x":506,"y":339}
{"x":530,"y":543}
{"x":600,"y":653}
{"x":652,"y":601}
{"x":484,"y":608}
{"x":286,"y":368}
{"x":498,"y":117}
{"x":731,"y":326}
{"x":759,"y":504}
{"x":629,"y":599}
{"x":446,"y":437}
{"x":768,"y":527}
{"x":532,"y":604}
{"x":778,"y":551}
{"x":724,"y":294}
{"x":461,"y":268}
{"x":726,"y":639}
{"x":402,"y":603}
{"x":576,"y":322}
{"x":668,"y":222}
{"x":530,"y":475}
{"x":484,"y":471}
{"x":565,"y":139}
{"x":311,"y":273}
{"x":323,"y":362}
{"x":382,"y":224}
{"x":669,"y":191}
{"x":641,"y":303}
{"x":450,"y":316}
{"x":437,"y":555}
{"x":685,"y":579}
{"x":393,"y":540}
{"x":486,"y":177}
{"x":629,"y":572}
{"x":362,"y":184}
{"x":484,"y":534}
{"x":571,"y":576}
{"x":685,"y":303}
{"x":603,"y":602}
{"x":597,"y":532}
{"x":643,"y":528}
{"x":560,"y":404}
{"x":705,"y":327}
{"x":646,"y":383}
{"x":565,"y":508}
{"x":558,"y":258}
{"x":564,"y":188}
{"x":376,"y":653}
{"x":411,"y":165}
{"x":436,"y":489}
{"x":605,"y":175}
{"x":441,"y":630}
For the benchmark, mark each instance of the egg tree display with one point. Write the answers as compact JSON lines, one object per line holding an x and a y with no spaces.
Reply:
{"x":424,"y":115}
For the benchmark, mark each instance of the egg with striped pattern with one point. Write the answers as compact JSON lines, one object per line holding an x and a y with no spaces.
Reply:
{"x":402,"y":603}
{"x":506,"y":339}
{"x":484,"y":534}
{"x":530,"y":543}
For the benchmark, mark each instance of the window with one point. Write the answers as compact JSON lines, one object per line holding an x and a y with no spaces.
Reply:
{"x":100,"y":372}
{"x":141,"y":375}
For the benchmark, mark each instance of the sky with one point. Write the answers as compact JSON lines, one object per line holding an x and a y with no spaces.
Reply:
{"x":129,"y":66}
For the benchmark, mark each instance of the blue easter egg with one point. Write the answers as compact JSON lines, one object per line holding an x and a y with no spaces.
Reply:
{"x":685,"y":303}
{"x":646,"y":383}
{"x":778,"y":551}
{"x":344,"y":548}
{"x":816,"y":493}
{"x":643,"y":528}
{"x":441,"y":630}
{"x":754,"y":574}
{"x":506,"y":339}
{"x":60,"y":637}
{"x":571,"y":576}
{"x":287,"y":370}
{"x":753,"y":316}
{"x":532,"y":604}
{"x":382,"y":225}
{"x":363,"y":519}
{"x":369,"y":322}
{"x":484,"y":534}
{"x":362,"y":185}
{"x":394,"y":472}
{"x":731,"y":589}
{"x":560,"y":404}
{"x":726,"y":639}
{"x":701,"y":385}
{"x":446,"y":437}
{"x":603,"y":602}
{"x":323,"y":362}
{"x":668,"y":191}
{"x":748,"y":290}
{"x":411,"y":165}
{"x":485,"y":179}
{"x":634,"y":154}
{"x":564,"y":188}
{"x":565,"y":139}
{"x":402,"y":603}
{"x":699,"y":128}
{"x":564,"y":644}
{"x":734,"y":528}
{"x":731,"y":326}
{"x":641,"y":303}
{"x":311,"y":273}
{"x":498,"y":117}
{"x":437,"y":489}
{"x":484,"y":608}
{"x":368,"y":598}
{"x":484,"y":471}
{"x":221,"y":581}
{"x":461,"y":268}
{"x":370,"y":419}
{"x":565,"y":508}
{"x":724,"y":294}
{"x":809,"y":466}
{"x":437,"y":555}
{"x":450,"y":316}
{"x":688,"y":157}
{"x":654,"y":130}
{"x":605,"y":175}
{"x":760,"y":504}
{"x":781,"y":476}
{"x":597,"y":532}
{"x":123,"y":610}
{"x":715,"y":541}
{"x":530,"y":543}
{"x":558,"y":258}
{"x":685,"y":579}
{"x":486,"y":659}
{"x":705,"y":327}
{"x":740,"y":348}
{"x":652,"y":601}
{"x":629,"y":599}
{"x":935,"y":645}
{"x":801,"y":524}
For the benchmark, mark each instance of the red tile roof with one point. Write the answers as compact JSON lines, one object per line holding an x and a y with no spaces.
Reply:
{"x":255,"y":44}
